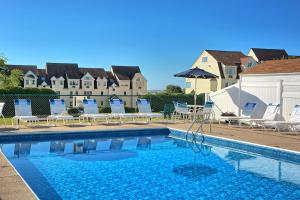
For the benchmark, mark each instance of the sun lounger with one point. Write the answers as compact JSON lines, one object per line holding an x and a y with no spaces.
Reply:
{"x":269,"y":115}
{"x":291,"y":124}
{"x":247,"y":113}
{"x":23,"y":112}
{"x":91,"y":111}
{"x":118,"y":110}
{"x":144,"y":108}
{"x":58,"y":111}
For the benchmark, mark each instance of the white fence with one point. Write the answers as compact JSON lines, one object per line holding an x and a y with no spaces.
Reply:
{"x":284,"y":90}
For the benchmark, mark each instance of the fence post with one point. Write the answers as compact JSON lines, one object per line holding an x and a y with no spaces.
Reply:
{"x":279,"y":97}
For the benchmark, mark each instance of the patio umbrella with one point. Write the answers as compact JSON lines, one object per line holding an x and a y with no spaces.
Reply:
{"x":196,"y":73}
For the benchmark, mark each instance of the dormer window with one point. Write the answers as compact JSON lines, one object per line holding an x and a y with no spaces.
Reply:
{"x":73,"y":84}
{"x":32,"y":82}
{"x":87,"y":84}
{"x":61,"y":82}
{"x":27,"y":82}
{"x":53,"y":82}
{"x":231,"y":72}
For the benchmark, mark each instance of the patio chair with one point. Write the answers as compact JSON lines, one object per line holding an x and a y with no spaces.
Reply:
{"x":58,"y":111}
{"x":181,"y":111}
{"x":91,"y":111}
{"x":23,"y":112}
{"x":207,"y":111}
{"x":247,"y":113}
{"x":1,"y":112}
{"x":144,"y":108}
{"x":118,"y":110}
{"x":269,"y":115}
{"x":291,"y":124}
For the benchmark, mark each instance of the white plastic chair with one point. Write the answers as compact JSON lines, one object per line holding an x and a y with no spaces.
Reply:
{"x":58,"y":111}
{"x":23,"y":112}
{"x":91,"y":111}
{"x":144,"y":108}
{"x":118,"y":110}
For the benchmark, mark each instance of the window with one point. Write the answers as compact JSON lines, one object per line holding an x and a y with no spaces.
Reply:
{"x":204,"y":59}
{"x":124,"y":103}
{"x":101,"y":93}
{"x":53,"y":82}
{"x":73,"y":84}
{"x":57,"y":92}
{"x":87,"y":93}
{"x":113,"y":89}
{"x":124,"y":93}
{"x":27,"y":82}
{"x":104,"y":83}
{"x":76,"y":92}
{"x":71,"y":94}
{"x":226,"y":84}
{"x":230,"y":71}
{"x":32,"y":82}
{"x":87,"y":84}
{"x":188,"y":84}
{"x":61,"y":82}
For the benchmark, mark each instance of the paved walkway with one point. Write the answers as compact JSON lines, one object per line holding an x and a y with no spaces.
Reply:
{"x":12,"y":186}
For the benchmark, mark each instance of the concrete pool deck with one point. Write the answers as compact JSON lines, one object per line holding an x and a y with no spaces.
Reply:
{"x":13,"y":187}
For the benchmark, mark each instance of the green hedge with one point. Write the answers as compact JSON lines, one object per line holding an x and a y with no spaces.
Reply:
{"x":106,"y":109}
{"x":39,"y":99}
{"x":159,"y":100}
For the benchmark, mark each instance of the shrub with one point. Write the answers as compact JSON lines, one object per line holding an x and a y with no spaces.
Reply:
{"x":75,"y":111}
{"x":159,"y":100}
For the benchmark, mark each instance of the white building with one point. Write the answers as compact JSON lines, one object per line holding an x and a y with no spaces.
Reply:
{"x":67,"y":79}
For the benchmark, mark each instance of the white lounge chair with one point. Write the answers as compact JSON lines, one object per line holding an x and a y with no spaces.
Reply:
{"x":1,"y":112}
{"x":291,"y":124}
{"x":118,"y":110}
{"x":247,"y":113}
{"x":269,"y":115}
{"x":91,"y":111}
{"x":58,"y":111}
{"x":145,"y":110}
{"x":23,"y":112}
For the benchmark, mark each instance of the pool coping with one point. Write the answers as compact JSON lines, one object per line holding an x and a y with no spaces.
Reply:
{"x":18,"y":174}
{"x":255,"y":145}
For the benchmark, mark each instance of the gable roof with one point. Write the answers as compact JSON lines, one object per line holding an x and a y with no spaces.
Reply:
{"x":95,"y":72}
{"x":269,"y":54}
{"x":42,"y":77}
{"x":125,"y":72}
{"x":24,"y":68}
{"x":111,"y":79}
{"x":275,"y":66}
{"x":227,"y":57}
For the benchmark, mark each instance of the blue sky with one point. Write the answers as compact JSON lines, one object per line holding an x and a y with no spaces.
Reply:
{"x":161,"y":36}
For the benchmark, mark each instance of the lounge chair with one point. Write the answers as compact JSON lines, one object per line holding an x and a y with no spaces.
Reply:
{"x":290,"y":124}
{"x":181,"y":111}
{"x":23,"y":112}
{"x":1,"y":112}
{"x":91,"y":111}
{"x":145,"y":110}
{"x":247,"y":113}
{"x":58,"y":111}
{"x":118,"y":110}
{"x":269,"y":115}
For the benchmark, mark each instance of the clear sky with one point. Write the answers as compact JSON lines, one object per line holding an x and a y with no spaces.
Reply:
{"x":161,"y":36}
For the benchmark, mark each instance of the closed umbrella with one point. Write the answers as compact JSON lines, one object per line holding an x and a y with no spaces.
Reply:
{"x":196,"y":73}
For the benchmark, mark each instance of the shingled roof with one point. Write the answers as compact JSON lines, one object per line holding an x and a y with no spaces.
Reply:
{"x":125,"y":72}
{"x":269,"y":54}
{"x":24,"y":68}
{"x":227,"y":57}
{"x":63,"y":69}
{"x":95,"y":72}
{"x":275,"y":66}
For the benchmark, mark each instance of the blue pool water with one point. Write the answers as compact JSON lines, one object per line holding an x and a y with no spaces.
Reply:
{"x":150,"y":167}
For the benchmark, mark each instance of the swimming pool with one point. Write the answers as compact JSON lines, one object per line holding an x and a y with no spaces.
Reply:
{"x":149,"y":164}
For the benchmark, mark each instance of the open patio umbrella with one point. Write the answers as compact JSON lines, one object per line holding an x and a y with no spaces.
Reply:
{"x":196,"y":73}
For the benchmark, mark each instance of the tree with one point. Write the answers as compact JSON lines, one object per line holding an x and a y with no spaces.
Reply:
{"x":9,"y":79}
{"x":173,"y":89}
